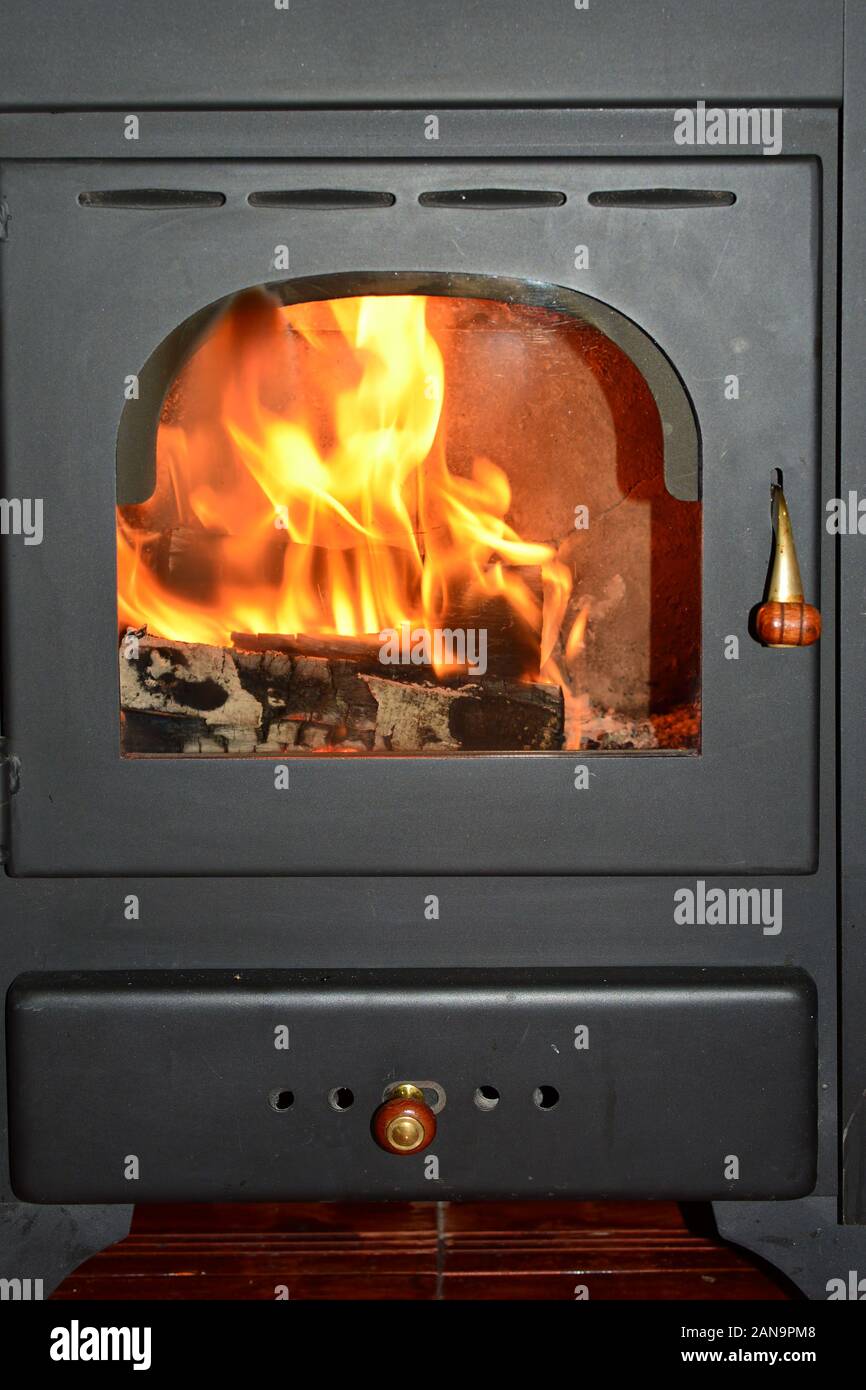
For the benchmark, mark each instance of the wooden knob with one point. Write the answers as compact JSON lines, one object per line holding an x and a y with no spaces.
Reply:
{"x":788,"y":624}
{"x":404,"y":1122}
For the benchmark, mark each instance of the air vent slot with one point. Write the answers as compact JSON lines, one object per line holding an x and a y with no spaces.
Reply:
{"x":144,"y":199}
{"x":323,"y":198}
{"x":492,"y":198}
{"x":663,"y":198}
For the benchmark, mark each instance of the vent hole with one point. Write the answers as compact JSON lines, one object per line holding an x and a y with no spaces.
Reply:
{"x":281,"y":1100}
{"x":545,"y":1097}
{"x":341,"y":1098}
{"x":487,"y":1097}
{"x":492,"y":198}
{"x":329,"y":198}
{"x":663,"y":198}
{"x":142,"y":199}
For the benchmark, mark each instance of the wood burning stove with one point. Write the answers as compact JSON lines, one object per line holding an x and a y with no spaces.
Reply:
{"x":403,"y":775}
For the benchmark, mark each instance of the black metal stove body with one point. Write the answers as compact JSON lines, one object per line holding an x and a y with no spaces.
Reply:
{"x":201,"y":961}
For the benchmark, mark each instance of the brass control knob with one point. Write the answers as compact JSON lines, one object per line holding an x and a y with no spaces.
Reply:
{"x":404,"y":1122}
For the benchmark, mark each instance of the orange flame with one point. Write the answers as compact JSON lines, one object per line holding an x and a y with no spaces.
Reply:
{"x":576,"y":637}
{"x":310,"y":463}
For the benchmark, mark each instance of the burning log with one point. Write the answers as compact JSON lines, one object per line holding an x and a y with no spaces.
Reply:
{"x":363,"y":651}
{"x":181,"y":697}
{"x":509,"y":642}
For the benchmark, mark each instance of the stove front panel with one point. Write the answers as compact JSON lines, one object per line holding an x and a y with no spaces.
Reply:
{"x":261,"y":1086}
{"x":97,"y":273}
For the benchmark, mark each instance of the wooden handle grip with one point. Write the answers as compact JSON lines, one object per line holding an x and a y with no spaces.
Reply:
{"x":788,"y":624}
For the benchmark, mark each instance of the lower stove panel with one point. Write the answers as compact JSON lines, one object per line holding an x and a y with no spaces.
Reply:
{"x":218,"y":1085}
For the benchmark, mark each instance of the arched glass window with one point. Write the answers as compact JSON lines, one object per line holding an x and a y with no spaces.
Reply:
{"x":408,"y":514}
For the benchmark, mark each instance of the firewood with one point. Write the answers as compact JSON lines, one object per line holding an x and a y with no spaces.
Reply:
{"x":183,"y":697}
{"x":362,"y":651}
{"x":512,"y":644}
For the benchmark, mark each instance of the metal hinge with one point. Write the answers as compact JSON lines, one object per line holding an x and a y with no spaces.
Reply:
{"x":4,"y":220}
{"x":10,"y":781}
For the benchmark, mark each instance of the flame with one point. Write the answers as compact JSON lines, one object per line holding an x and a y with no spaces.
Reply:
{"x":310,"y":469}
{"x":577,"y":636}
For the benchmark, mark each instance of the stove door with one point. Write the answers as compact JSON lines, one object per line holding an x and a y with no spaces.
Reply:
{"x":718,"y":286}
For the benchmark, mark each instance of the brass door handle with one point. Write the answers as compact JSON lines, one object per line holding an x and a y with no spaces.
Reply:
{"x":784,"y":619}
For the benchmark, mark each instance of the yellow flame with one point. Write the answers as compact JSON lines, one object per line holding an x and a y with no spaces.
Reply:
{"x":333,"y":511}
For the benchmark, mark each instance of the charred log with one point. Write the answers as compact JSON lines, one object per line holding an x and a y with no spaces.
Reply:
{"x":511,"y":642}
{"x":180,"y":697}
